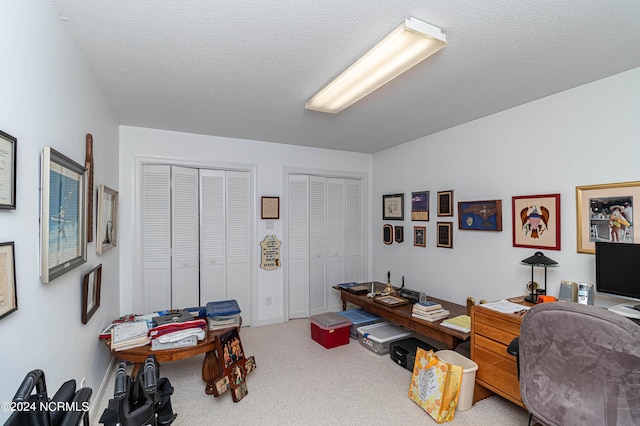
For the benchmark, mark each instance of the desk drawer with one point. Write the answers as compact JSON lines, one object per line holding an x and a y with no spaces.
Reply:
{"x":496,"y":328}
{"x":496,"y":367}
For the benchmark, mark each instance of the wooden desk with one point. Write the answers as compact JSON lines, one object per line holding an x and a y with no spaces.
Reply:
{"x":491,"y":333}
{"x":211,"y":366}
{"x":402,"y":315}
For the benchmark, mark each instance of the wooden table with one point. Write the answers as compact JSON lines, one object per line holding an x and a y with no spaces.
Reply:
{"x":402,"y":315}
{"x":211,"y":366}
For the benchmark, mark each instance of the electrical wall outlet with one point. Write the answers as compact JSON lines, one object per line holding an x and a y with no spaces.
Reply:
{"x":268,"y":301}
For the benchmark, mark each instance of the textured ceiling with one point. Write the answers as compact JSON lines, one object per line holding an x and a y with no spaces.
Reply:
{"x":245,"y":68}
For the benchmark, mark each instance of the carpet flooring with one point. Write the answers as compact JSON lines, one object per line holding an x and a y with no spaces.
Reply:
{"x":299,"y":382}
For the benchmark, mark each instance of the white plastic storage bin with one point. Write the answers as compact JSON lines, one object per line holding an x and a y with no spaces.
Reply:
{"x":378,"y":337}
{"x":469,"y":368}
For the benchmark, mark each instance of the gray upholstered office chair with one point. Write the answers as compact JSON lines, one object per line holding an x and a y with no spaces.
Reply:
{"x":579,"y":365}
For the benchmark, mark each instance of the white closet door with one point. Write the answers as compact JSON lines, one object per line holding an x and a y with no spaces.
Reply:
{"x":336,"y":239}
{"x":298,"y":236}
{"x":238,"y":267}
{"x":156,"y":237}
{"x":185,"y":280}
{"x":213,"y":280}
{"x":353,"y":213}
{"x":317,"y":245}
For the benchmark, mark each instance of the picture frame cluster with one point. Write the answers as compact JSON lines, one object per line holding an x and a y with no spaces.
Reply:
{"x":604,"y":212}
{"x":66,"y":221}
{"x":393,"y":209}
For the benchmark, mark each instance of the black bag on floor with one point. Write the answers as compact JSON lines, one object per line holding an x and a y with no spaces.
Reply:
{"x":145,"y":401}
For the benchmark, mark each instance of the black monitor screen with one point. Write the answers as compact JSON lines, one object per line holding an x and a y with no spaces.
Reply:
{"x":618,"y":269}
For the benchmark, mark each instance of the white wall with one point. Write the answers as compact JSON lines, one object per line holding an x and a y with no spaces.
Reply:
{"x":50,"y":99}
{"x":269,"y":161}
{"x":584,"y":136}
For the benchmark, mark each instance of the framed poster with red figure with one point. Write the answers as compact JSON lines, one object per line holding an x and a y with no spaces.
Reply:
{"x":536,"y":221}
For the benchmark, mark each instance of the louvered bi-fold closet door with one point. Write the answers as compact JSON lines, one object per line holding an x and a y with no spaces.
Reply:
{"x":317,"y":245}
{"x":156,"y":237}
{"x":225,"y":208}
{"x":213,"y":268}
{"x":185,"y":279}
{"x":325,"y":241}
{"x":238,"y":251}
{"x":298,"y":237}
{"x":336,"y":239}
{"x":354,"y":269}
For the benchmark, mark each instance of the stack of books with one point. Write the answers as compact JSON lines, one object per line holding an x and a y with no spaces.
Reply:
{"x":429,"y":311}
{"x":460,"y":323}
{"x":131,"y":334}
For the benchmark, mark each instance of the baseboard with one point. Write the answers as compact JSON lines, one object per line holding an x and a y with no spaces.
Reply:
{"x":269,"y":321}
{"x":96,"y":411}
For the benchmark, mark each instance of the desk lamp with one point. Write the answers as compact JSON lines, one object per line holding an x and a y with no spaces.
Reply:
{"x":538,"y":259}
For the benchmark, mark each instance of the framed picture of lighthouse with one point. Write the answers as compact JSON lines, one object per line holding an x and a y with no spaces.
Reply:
{"x":536,"y":221}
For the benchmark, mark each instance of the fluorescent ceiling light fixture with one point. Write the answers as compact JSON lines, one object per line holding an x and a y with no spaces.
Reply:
{"x":407,"y":45}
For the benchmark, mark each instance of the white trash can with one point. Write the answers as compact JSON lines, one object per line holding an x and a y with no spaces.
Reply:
{"x":465,"y":400}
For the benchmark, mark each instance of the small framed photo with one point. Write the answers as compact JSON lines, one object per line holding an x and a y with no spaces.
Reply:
{"x":233,"y":351}
{"x":7,"y":171}
{"x":605,"y":213}
{"x":536,"y":221}
{"x":8,"y":294}
{"x":480,"y":215}
{"x":391,"y":300}
{"x":91,"y":284}
{"x":445,"y":203}
{"x":419,"y":236}
{"x":387,"y":234}
{"x":420,"y":206}
{"x":63,"y":215}
{"x":393,"y":207}
{"x":107,"y":224}
{"x":444,"y":234}
{"x":270,"y":208}
{"x":399,"y":231}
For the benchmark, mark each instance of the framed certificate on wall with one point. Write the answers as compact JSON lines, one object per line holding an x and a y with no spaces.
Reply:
{"x":270,"y":208}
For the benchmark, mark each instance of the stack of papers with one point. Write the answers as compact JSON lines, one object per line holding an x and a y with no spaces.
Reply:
{"x":505,"y":306}
{"x":460,"y":323}
{"x":127,"y":335}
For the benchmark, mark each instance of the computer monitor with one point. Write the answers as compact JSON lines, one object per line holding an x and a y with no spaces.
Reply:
{"x":618,"y":274}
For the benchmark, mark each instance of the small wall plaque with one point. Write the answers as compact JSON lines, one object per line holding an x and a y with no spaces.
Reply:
{"x":270,"y":253}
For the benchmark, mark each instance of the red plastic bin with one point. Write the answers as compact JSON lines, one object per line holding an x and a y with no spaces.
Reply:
{"x":330,"y":329}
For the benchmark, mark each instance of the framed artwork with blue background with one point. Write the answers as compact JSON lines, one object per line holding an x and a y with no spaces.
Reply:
{"x":63,"y":216}
{"x":483,"y":215}
{"x":420,"y":206}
